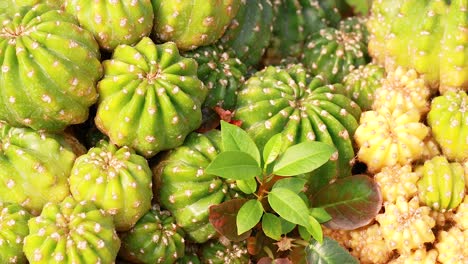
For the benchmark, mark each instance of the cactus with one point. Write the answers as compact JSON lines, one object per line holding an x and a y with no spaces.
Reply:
{"x":250,"y":31}
{"x":287,"y":101}
{"x":71,"y":232}
{"x":150,"y":97}
{"x":193,"y":24}
{"x":333,"y":53}
{"x":222,"y":72}
{"x":186,"y":190}
{"x":12,"y":6}
{"x":448,"y":119}
{"x":442,"y":186}
{"x":34,"y":167}
{"x":115,"y":179}
{"x":113,"y":22}
{"x":222,"y":250}
{"x":362,"y":82}
{"x":154,"y":239}
{"x":48,"y":72}
{"x":14,"y":225}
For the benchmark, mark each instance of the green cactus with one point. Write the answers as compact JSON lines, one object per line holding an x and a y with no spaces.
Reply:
{"x":71,"y":232}
{"x":14,"y":225}
{"x":186,"y":190}
{"x":154,"y":239}
{"x":287,"y":101}
{"x":448,"y":119}
{"x":294,"y":21}
{"x":49,"y":69}
{"x":429,"y":36}
{"x":115,"y":179}
{"x":223,"y":251}
{"x":222,"y":72}
{"x":250,"y":31}
{"x":442,"y":185}
{"x":150,"y":97}
{"x":191,"y":24}
{"x":11,"y":6}
{"x":34,"y":167}
{"x":361,"y":83}
{"x":113,"y":22}
{"x":333,"y":53}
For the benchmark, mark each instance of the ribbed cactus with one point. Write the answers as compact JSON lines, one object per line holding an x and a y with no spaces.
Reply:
{"x":14,"y":225}
{"x":71,"y":232}
{"x":186,"y":190}
{"x":223,"y":251}
{"x":442,"y":185}
{"x":115,"y":179}
{"x":49,"y":69}
{"x":448,"y":119}
{"x":301,"y":108}
{"x":191,"y":24}
{"x":155,"y":238}
{"x":221,"y":72}
{"x":34,"y":167}
{"x":113,"y":22}
{"x":150,"y":97}
{"x":250,"y":31}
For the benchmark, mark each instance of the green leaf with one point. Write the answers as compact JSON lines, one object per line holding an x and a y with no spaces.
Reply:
{"x":286,"y":226}
{"x":289,"y":206}
{"x":223,"y":218}
{"x":270,"y":223}
{"x":320,"y":214}
{"x":328,"y":252}
{"x":235,"y":138}
{"x":303,"y":233}
{"x":272,"y":149}
{"x":249,"y":215}
{"x":234,"y":165}
{"x":247,"y":186}
{"x":294,"y":184}
{"x":315,"y":229}
{"x":302,"y":158}
{"x":352,"y":202}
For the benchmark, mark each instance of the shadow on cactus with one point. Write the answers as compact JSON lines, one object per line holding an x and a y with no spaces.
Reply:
{"x":276,"y":203}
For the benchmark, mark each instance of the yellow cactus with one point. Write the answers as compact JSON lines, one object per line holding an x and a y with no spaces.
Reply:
{"x":397,"y":181}
{"x":368,"y":245}
{"x":452,"y":246}
{"x":461,"y":215}
{"x":419,"y":256}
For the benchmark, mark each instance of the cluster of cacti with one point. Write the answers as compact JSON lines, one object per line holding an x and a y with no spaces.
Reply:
{"x":110,"y":123}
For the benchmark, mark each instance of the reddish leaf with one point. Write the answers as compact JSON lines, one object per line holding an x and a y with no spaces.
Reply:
{"x":352,"y":201}
{"x":223,"y":218}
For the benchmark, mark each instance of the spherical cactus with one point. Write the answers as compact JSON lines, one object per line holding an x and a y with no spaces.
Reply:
{"x":14,"y":225}
{"x":71,"y":232}
{"x":221,"y":251}
{"x":250,"y":31}
{"x":390,"y":138}
{"x":186,"y":190}
{"x":294,"y":21}
{"x":193,"y":24}
{"x":333,"y":53}
{"x":155,"y":238}
{"x":150,"y":97}
{"x":34,"y":167}
{"x":115,"y":179}
{"x":362,"y":82}
{"x":113,"y":22}
{"x":451,"y":245}
{"x":222,"y":72}
{"x":448,"y":119}
{"x":11,"y":6}
{"x":287,"y":101}
{"x":428,"y":36}
{"x":49,"y":70}
{"x":442,"y":186}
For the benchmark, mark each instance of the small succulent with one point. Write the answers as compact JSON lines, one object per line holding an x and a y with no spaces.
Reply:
{"x":155,"y":238}
{"x":150,"y":97}
{"x":113,"y":22}
{"x":116,"y":179}
{"x":71,"y":232}
{"x":442,"y":185}
{"x":368,"y":245}
{"x":14,"y":225}
{"x":49,"y":69}
{"x":34,"y":167}
{"x":192,"y":24}
{"x":222,"y":250}
{"x":451,"y":245}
